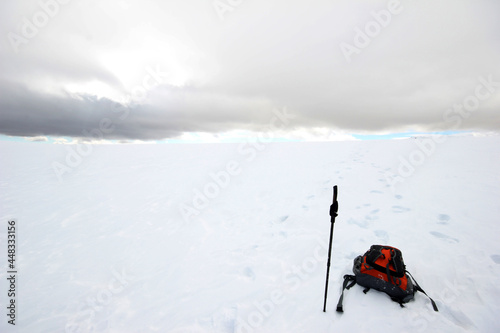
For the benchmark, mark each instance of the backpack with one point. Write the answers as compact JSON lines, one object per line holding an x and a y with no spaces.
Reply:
{"x":382,"y":268}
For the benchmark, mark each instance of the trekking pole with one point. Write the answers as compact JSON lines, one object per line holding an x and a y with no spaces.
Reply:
{"x":333,"y":213}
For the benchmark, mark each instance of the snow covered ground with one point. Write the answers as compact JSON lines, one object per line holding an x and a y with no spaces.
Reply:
{"x":233,"y":237}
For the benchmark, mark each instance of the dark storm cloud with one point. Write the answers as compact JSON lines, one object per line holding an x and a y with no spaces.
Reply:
{"x":28,"y":113}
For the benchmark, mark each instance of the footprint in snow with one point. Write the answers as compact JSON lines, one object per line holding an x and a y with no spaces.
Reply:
{"x":397,"y":196}
{"x":362,"y":224}
{"x":375,"y":191}
{"x":373,"y":215}
{"x":460,"y":318}
{"x":283,"y":218}
{"x":495,"y":258}
{"x":400,"y":209}
{"x":248,"y":272}
{"x":225,"y":320}
{"x":444,"y":237}
{"x":443,"y":219}
{"x":382,"y":235}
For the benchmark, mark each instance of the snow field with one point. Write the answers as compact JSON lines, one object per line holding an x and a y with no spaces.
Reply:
{"x":109,"y":246}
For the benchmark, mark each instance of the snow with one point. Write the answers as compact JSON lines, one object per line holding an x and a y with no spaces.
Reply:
{"x":234,"y":237}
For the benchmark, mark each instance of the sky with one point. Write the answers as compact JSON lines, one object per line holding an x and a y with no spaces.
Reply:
{"x":148,"y":70}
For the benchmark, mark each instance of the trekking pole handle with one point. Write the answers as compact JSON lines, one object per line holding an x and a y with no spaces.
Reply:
{"x":335,"y":205}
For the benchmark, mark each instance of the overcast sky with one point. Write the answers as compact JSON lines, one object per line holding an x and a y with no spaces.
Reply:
{"x":151,"y":69}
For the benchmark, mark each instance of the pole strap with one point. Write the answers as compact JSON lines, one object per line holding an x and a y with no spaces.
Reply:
{"x":349,"y":281}
{"x":418,"y":288}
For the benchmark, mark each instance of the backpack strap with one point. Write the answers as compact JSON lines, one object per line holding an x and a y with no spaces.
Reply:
{"x":349,"y":281}
{"x":418,"y":288}
{"x":397,"y":300}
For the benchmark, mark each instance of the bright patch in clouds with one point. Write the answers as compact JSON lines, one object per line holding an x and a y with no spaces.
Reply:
{"x":146,"y":48}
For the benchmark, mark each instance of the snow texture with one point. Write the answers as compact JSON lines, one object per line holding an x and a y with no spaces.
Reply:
{"x":233,"y":237}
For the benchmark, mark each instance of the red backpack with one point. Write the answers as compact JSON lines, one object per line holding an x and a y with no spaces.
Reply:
{"x":382,"y":268}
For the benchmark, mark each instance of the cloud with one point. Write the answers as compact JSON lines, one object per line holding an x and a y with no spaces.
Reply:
{"x":37,"y":139}
{"x":90,"y":61}
{"x":28,"y":113}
